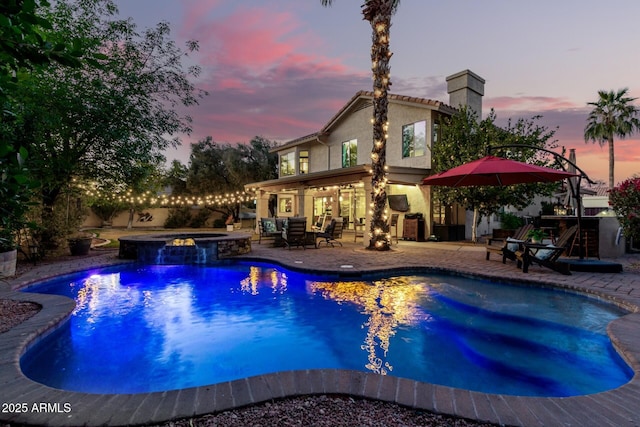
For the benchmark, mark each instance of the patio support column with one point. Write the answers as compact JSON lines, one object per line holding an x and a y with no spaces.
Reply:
{"x":262,"y":207}
{"x":300,"y":211}
{"x":428,"y":217}
{"x":368,"y":188}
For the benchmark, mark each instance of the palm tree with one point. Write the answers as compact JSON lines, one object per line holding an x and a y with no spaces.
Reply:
{"x":612,"y":115}
{"x":378,"y":13}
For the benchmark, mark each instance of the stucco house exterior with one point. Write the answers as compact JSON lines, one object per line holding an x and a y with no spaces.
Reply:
{"x":328,"y":172}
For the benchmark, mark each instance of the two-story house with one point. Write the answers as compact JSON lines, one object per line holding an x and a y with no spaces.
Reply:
{"x":328,"y":172}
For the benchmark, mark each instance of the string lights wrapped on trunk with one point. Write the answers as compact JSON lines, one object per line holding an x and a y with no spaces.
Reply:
{"x":378,"y":13}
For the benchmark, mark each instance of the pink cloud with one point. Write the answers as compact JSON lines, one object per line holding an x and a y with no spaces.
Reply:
{"x":254,"y":39}
{"x":528,"y":103}
{"x":195,"y":11}
{"x":265,"y":73}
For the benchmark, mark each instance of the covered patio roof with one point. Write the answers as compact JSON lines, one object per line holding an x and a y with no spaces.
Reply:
{"x":342,"y":176}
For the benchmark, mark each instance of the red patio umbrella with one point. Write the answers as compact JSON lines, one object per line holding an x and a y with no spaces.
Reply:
{"x":491,"y":170}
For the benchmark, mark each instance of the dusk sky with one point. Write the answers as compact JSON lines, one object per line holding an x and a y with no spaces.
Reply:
{"x":281,"y":69}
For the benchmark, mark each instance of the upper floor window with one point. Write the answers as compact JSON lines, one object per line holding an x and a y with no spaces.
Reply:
{"x":350,"y":153}
{"x":304,"y":161}
{"x":288,"y":164}
{"x":435,"y":133}
{"x":414,"y":139}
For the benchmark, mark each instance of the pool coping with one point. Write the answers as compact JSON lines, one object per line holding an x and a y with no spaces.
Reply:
{"x":45,"y":405}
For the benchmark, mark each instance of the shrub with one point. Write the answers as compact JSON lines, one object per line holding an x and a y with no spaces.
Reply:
{"x":200,"y":219}
{"x":178,"y":218}
{"x":510,"y":221}
{"x":625,"y":201}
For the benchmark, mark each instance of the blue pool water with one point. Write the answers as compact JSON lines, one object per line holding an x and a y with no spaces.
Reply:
{"x":154,"y":328}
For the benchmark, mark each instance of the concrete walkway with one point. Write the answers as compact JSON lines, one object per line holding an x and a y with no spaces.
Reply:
{"x":41,"y":405}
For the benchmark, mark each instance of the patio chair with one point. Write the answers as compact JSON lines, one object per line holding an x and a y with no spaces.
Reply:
{"x":295,"y":233}
{"x":321,"y":224}
{"x":358,"y":228}
{"x":331,"y":234}
{"x":267,"y":229}
{"x":546,"y":255}
{"x":507,"y":247}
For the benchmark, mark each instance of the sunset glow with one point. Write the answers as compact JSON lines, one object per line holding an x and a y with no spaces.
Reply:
{"x":283,"y":70}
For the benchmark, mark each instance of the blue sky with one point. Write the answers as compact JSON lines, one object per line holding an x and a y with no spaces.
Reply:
{"x":281,"y":69}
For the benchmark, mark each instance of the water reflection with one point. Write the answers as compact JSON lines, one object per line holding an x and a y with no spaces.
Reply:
{"x":388,"y":303}
{"x":258,"y":276}
{"x":96,"y":294}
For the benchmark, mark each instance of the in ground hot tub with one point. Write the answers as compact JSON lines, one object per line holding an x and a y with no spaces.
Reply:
{"x":184,"y":248}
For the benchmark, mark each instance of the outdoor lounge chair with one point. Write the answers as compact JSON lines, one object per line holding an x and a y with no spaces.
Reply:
{"x":295,"y":234}
{"x":332,"y":233}
{"x":546,"y":255}
{"x":506,"y":247}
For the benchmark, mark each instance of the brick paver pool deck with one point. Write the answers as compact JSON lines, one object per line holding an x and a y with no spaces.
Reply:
{"x":28,"y":402}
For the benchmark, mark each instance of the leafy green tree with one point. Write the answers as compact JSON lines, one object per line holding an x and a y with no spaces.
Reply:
{"x":25,"y":41}
{"x":465,"y":139}
{"x":24,"y":46}
{"x":176,"y":177}
{"x":212,"y":166}
{"x":104,"y":122}
{"x":378,"y":13}
{"x":625,"y":201}
{"x":224,"y":169}
{"x":613,"y":115}
{"x":257,"y":161}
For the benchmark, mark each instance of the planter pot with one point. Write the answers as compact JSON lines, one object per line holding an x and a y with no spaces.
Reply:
{"x":80,"y":246}
{"x":229,"y":227}
{"x":8,"y":263}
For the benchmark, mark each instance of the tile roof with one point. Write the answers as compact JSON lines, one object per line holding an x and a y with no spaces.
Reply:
{"x":363,"y":94}
{"x":366,"y":95}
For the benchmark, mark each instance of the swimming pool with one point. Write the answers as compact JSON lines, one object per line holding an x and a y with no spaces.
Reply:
{"x":155,"y":328}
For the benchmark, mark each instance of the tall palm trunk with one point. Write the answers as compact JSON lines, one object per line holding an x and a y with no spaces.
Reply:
{"x":378,"y":13}
{"x":611,"y":164}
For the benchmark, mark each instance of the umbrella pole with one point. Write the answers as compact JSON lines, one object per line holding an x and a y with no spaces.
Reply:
{"x":577,"y":192}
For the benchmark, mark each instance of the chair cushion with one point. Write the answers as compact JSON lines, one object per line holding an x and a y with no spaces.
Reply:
{"x":281,"y":224}
{"x":513,"y":244}
{"x":545,"y":253}
{"x":268,"y":225}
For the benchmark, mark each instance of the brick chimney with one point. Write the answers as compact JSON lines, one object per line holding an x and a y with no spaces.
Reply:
{"x":466,"y":88}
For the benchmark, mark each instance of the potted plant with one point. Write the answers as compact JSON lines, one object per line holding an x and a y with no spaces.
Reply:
{"x":16,"y":188}
{"x":508,"y":223}
{"x":229,"y":223}
{"x":80,"y":243}
{"x":536,"y":235}
{"x":8,"y":253}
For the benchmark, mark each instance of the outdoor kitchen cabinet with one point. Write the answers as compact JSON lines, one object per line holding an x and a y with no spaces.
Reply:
{"x":413,"y":229}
